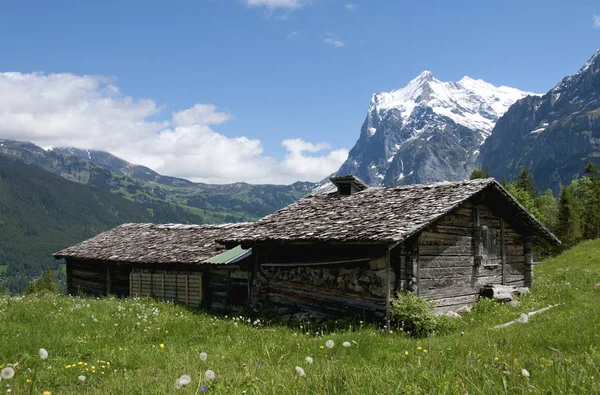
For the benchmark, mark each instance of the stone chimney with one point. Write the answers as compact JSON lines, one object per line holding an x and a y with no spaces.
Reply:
{"x":347,"y":185}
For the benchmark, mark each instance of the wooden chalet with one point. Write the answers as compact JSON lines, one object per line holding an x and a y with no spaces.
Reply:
{"x":348,"y":252}
{"x":345,"y":252}
{"x":181,"y":263}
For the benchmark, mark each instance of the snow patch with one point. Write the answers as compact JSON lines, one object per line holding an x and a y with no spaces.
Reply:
{"x":371,"y":131}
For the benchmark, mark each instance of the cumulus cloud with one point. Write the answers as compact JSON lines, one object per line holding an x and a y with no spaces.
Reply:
{"x":277,"y":4}
{"x":596,"y":24}
{"x":90,"y":112}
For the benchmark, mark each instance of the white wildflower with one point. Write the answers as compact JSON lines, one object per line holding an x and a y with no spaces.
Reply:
{"x":185,"y":380}
{"x":346,"y":344}
{"x":43,"y":353}
{"x":309,"y":360}
{"x":329,"y":344}
{"x":178,"y":384}
{"x":7,"y":373}
{"x":81,"y":378}
{"x":209,"y":374}
{"x":300,"y":371}
{"x":525,"y":373}
{"x":203,"y":356}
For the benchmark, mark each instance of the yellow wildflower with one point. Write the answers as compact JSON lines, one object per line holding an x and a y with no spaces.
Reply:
{"x":46,"y":393}
{"x":108,"y":362}
{"x":162,"y":346}
{"x":103,"y":366}
{"x":166,"y":332}
{"x":101,"y":372}
{"x":406,"y":353}
{"x":419,"y":348}
{"x":28,"y":381}
{"x":321,"y":347}
{"x":425,"y":351}
{"x":85,"y":364}
{"x":495,"y":358}
{"x":79,"y":363}
{"x":120,"y":349}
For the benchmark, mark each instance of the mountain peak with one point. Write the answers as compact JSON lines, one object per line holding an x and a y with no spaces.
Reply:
{"x":473,"y":103}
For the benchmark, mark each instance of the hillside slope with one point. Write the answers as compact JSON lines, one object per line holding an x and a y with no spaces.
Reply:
{"x":41,"y":213}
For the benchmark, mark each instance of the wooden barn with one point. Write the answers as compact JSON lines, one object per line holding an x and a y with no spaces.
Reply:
{"x":347,"y":252}
{"x":181,"y":263}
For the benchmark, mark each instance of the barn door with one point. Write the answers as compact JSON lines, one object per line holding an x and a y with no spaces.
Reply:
{"x":490,"y":251}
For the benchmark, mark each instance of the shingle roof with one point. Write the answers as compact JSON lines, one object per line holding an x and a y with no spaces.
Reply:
{"x":149,"y":243}
{"x":379,"y":215}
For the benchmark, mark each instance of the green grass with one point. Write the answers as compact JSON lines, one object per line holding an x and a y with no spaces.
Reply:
{"x":560,"y":347}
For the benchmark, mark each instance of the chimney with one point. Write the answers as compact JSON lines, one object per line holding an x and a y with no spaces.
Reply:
{"x":347,"y":185}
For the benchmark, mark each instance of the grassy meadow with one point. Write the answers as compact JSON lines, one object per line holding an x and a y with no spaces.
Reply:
{"x":139,"y":346}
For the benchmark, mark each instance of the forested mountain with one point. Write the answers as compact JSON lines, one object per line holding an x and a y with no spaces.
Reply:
{"x":205,"y":202}
{"x":41,"y":213}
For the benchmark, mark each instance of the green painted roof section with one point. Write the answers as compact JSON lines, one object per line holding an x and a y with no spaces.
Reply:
{"x":230,"y":256}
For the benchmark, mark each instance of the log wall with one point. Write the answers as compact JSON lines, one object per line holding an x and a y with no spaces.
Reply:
{"x":316,"y":281}
{"x":466,"y":249}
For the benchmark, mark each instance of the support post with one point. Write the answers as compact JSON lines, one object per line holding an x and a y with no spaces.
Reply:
{"x":528,"y":249}
{"x":69,"y":277}
{"x":162,"y":286}
{"x":388,"y":289}
{"x":108,"y":279}
{"x":187,"y":289}
{"x":503,"y":250}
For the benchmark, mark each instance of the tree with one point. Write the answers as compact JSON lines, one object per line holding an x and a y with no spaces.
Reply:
{"x":547,"y":206}
{"x":592,"y":207}
{"x":43,"y":284}
{"x":569,"y":218}
{"x":478,"y":172}
{"x":526,"y":182}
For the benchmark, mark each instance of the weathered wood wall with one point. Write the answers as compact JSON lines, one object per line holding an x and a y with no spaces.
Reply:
{"x":97,"y":278}
{"x":321,"y":280}
{"x":220,"y":287}
{"x":466,"y":249}
{"x":168,"y":286}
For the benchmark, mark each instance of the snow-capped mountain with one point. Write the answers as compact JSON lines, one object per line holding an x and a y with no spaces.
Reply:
{"x":554,"y":135}
{"x":427,"y":131}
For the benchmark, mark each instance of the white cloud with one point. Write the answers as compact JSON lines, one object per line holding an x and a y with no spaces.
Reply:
{"x":351,"y":6}
{"x":277,"y":4}
{"x":90,"y":112}
{"x":293,"y":34}
{"x":596,"y":24}
{"x":331,"y":39}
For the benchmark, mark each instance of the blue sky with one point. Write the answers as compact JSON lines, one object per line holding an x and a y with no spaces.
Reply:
{"x":274,"y":70}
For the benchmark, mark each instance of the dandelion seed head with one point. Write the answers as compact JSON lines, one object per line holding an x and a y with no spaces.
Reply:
{"x":178,"y":384}
{"x":309,"y":360}
{"x":185,"y":379}
{"x":81,"y":378}
{"x":329,"y":344}
{"x":525,"y":373}
{"x":43,"y":353}
{"x":203,"y":356}
{"x":209,"y":374}
{"x":300,"y":371}
{"x":346,"y":344}
{"x":7,"y":373}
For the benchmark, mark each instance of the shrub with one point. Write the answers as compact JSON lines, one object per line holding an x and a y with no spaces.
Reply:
{"x":43,"y":284}
{"x":415,"y":315}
